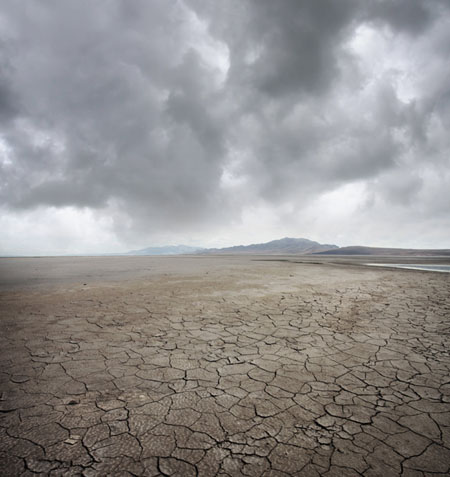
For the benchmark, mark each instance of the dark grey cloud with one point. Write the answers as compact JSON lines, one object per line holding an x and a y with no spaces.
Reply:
{"x":180,"y":114}
{"x":293,"y":56}
{"x":406,"y":16}
{"x":116,"y":108}
{"x":412,"y":16}
{"x":283,"y":48}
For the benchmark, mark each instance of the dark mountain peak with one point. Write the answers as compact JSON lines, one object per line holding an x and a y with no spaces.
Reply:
{"x":288,"y":240}
{"x":286,"y":245}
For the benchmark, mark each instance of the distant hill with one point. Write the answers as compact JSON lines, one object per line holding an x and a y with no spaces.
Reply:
{"x":283,"y":246}
{"x":167,"y":250}
{"x":393,"y":252}
{"x":296,"y":246}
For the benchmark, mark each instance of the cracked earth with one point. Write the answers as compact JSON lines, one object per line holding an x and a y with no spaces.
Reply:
{"x":230,"y":366}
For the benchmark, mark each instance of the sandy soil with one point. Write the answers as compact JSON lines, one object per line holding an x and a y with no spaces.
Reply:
{"x":223,"y":366}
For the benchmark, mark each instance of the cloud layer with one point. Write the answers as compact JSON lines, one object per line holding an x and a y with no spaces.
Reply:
{"x":196,"y":121}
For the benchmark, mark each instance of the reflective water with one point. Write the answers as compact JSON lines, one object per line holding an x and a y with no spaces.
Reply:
{"x":414,"y":266}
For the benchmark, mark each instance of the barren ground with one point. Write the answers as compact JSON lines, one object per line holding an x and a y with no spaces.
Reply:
{"x":222,"y":366}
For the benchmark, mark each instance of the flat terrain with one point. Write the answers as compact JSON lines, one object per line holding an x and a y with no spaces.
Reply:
{"x":230,"y":365}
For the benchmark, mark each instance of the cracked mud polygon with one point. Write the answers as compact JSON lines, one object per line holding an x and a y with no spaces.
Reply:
{"x":223,"y":366}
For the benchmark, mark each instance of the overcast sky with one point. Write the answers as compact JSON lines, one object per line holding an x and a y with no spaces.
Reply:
{"x":126,"y":124}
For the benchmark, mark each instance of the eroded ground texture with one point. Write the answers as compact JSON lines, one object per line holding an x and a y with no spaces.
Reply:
{"x":231,"y":367}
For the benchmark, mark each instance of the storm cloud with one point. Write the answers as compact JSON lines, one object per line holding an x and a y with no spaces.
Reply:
{"x":221,"y":122}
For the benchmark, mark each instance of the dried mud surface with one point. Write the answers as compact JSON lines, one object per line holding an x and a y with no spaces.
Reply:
{"x":223,"y":366}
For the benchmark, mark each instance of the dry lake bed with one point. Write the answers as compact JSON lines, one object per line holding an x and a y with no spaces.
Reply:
{"x":229,"y":366}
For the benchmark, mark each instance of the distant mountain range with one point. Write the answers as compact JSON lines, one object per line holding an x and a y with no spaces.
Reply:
{"x":283,"y":246}
{"x":386,"y":252}
{"x":287,"y":246}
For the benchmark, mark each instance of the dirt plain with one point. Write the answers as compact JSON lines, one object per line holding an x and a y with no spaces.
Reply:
{"x":230,"y":366}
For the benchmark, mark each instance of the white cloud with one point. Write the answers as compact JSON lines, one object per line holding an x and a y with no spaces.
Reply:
{"x":56,"y":231}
